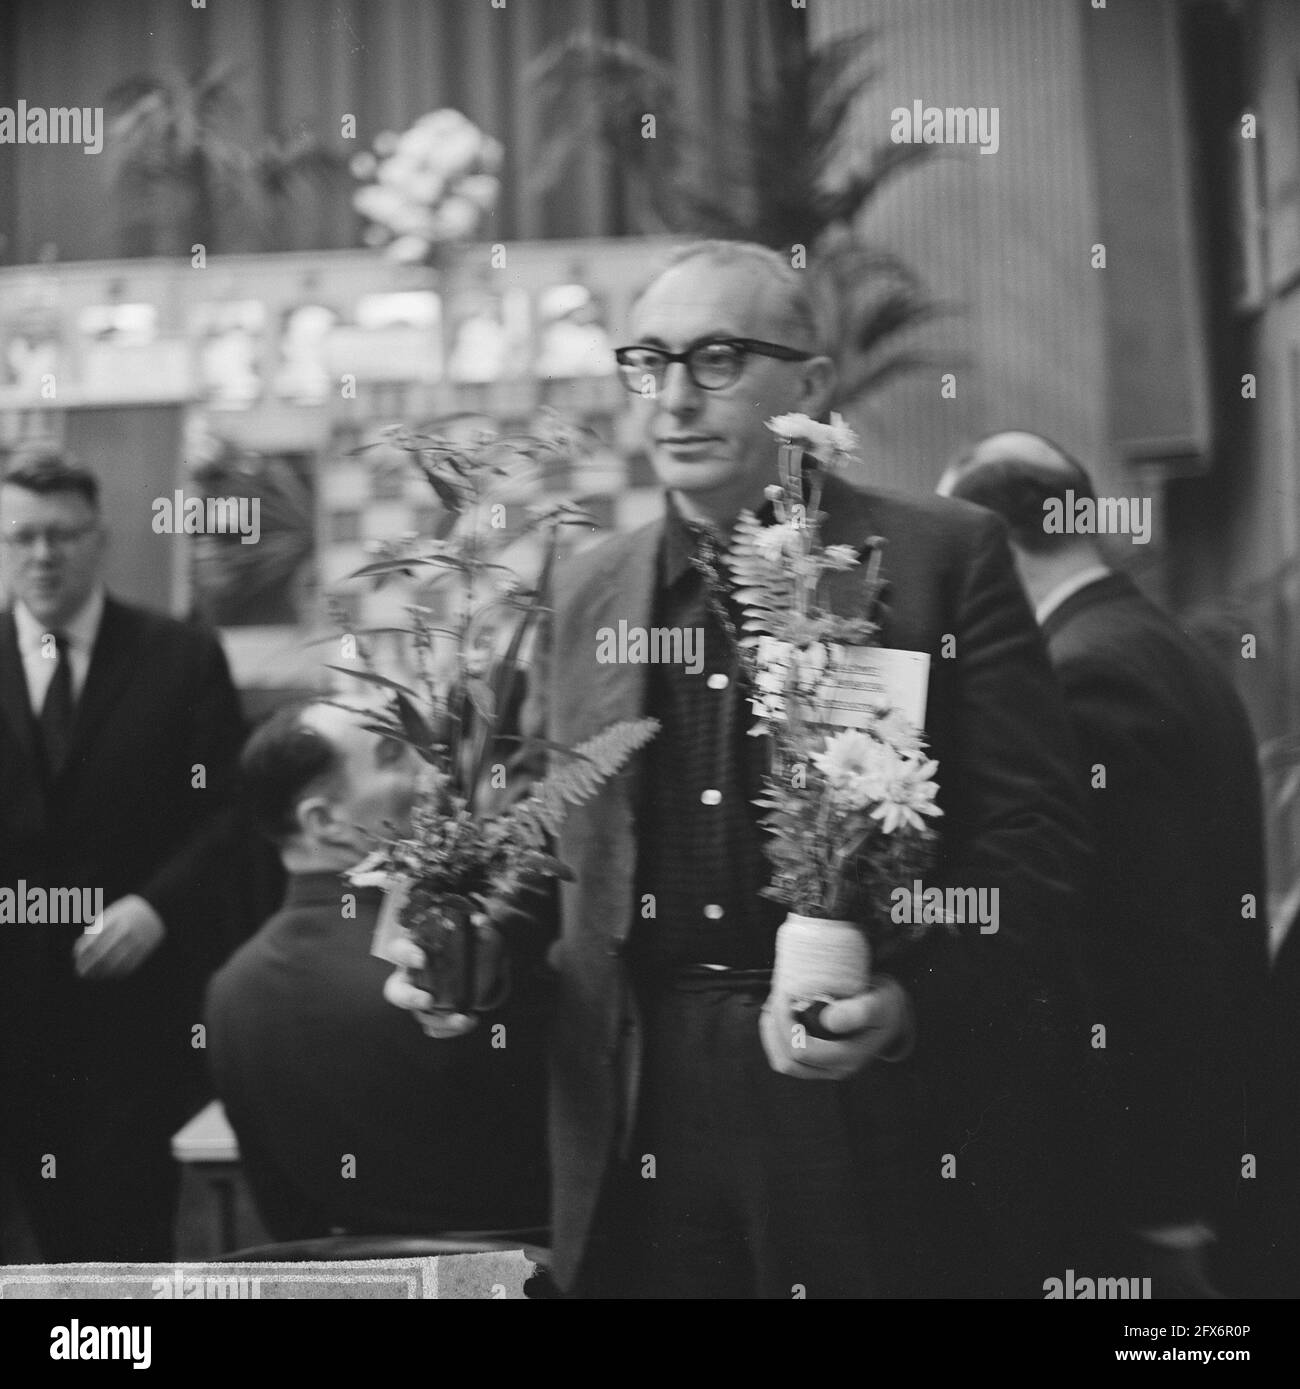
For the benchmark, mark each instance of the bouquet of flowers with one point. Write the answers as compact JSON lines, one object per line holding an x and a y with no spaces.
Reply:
{"x":431,"y":185}
{"x":480,"y":831}
{"x":849,"y":792}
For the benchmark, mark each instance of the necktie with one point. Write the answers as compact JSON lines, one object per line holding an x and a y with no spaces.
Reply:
{"x":707,"y":559}
{"x":58,"y":710}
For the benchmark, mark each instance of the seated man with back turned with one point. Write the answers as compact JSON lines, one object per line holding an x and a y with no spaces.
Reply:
{"x":1174,"y":939}
{"x":347,"y":1119}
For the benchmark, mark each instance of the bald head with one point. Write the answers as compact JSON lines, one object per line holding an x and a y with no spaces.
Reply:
{"x":321,"y":785}
{"x":1014,"y":473}
{"x":1020,"y":446}
{"x":780,"y":292}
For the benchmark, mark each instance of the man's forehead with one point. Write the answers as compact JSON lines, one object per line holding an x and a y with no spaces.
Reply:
{"x":703,"y":297}
{"x":342,"y":727}
{"x":22,"y":499}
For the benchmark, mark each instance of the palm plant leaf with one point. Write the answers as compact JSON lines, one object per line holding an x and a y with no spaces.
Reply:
{"x":596,"y":91}
{"x":784,"y":173}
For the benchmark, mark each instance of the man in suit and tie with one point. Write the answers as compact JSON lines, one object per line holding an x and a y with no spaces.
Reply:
{"x":698,"y":1149}
{"x":119,"y":730}
{"x":1174,"y":932}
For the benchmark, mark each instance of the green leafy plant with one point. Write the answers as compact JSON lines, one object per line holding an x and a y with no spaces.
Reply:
{"x":173,"y":159}
{"x":846,"y":809}
{"x":483,"y":823}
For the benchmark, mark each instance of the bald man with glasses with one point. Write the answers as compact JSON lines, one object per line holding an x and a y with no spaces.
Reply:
{"x":696,"y":1151}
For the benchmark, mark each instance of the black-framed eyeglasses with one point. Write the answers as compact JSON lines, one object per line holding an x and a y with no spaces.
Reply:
{"x":56,"y":537}
{"x":712,"y":363}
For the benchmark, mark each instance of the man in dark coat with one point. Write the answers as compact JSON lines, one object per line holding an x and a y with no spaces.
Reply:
{"x":1174,"y":932}
{"x":347,"y":1118}
{"x":119,"y":730}
{"x":697,"y":1149}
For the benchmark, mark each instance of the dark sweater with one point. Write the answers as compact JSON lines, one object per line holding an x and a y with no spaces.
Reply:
{"x":348,"y":1116}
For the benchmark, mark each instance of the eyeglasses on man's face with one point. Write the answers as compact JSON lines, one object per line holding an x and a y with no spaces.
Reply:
{"x":712,"y":364}
{"x":25,"y":539}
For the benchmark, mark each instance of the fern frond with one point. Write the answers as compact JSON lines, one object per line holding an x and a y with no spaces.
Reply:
{"x":592,"y":764}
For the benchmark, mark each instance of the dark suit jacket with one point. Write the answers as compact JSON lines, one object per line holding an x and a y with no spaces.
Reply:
{"x":313,"y":1064}
{"x":1278,"y":1109}
{"x":1012,"y":820}
{"x":124,"y":815}
{"x":1175,"y":968}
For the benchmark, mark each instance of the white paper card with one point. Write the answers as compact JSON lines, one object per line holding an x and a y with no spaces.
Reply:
{"x":843,"y":686}
{"x":863,"y":677}
{"x":388,"y":927}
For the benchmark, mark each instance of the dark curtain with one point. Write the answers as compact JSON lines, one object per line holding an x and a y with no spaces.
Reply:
{"x":304,"y":64}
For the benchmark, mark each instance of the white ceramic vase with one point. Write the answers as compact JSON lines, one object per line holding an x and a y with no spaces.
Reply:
{"x":819,"y":958}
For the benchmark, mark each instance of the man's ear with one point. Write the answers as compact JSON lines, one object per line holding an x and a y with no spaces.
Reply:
{"x":819,"y":381}
{"x":317,"y":823}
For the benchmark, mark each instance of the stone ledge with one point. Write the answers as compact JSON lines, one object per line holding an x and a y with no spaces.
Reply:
{"x":492,"y":1274}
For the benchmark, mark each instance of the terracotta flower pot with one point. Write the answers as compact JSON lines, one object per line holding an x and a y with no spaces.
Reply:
{"x":443,"y":927}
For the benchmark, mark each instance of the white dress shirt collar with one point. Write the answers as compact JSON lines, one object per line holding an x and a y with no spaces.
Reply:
{"x":81,"y":628}
{"x":1085,"y":577}
{"x":38,"y":667}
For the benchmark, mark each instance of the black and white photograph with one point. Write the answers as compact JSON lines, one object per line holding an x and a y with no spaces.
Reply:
{"x":650,"y":651}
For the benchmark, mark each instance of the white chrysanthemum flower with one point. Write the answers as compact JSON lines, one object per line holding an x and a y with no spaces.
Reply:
{"x":840,"y":435}
{"x":791,"y":427}
{"x":908,"y":794}
{"x":898,"y":730}
{"x":828,"y":442}
{"x":776,"y":543}
{"x":857,"y":768}
{"x":840,"y":556}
